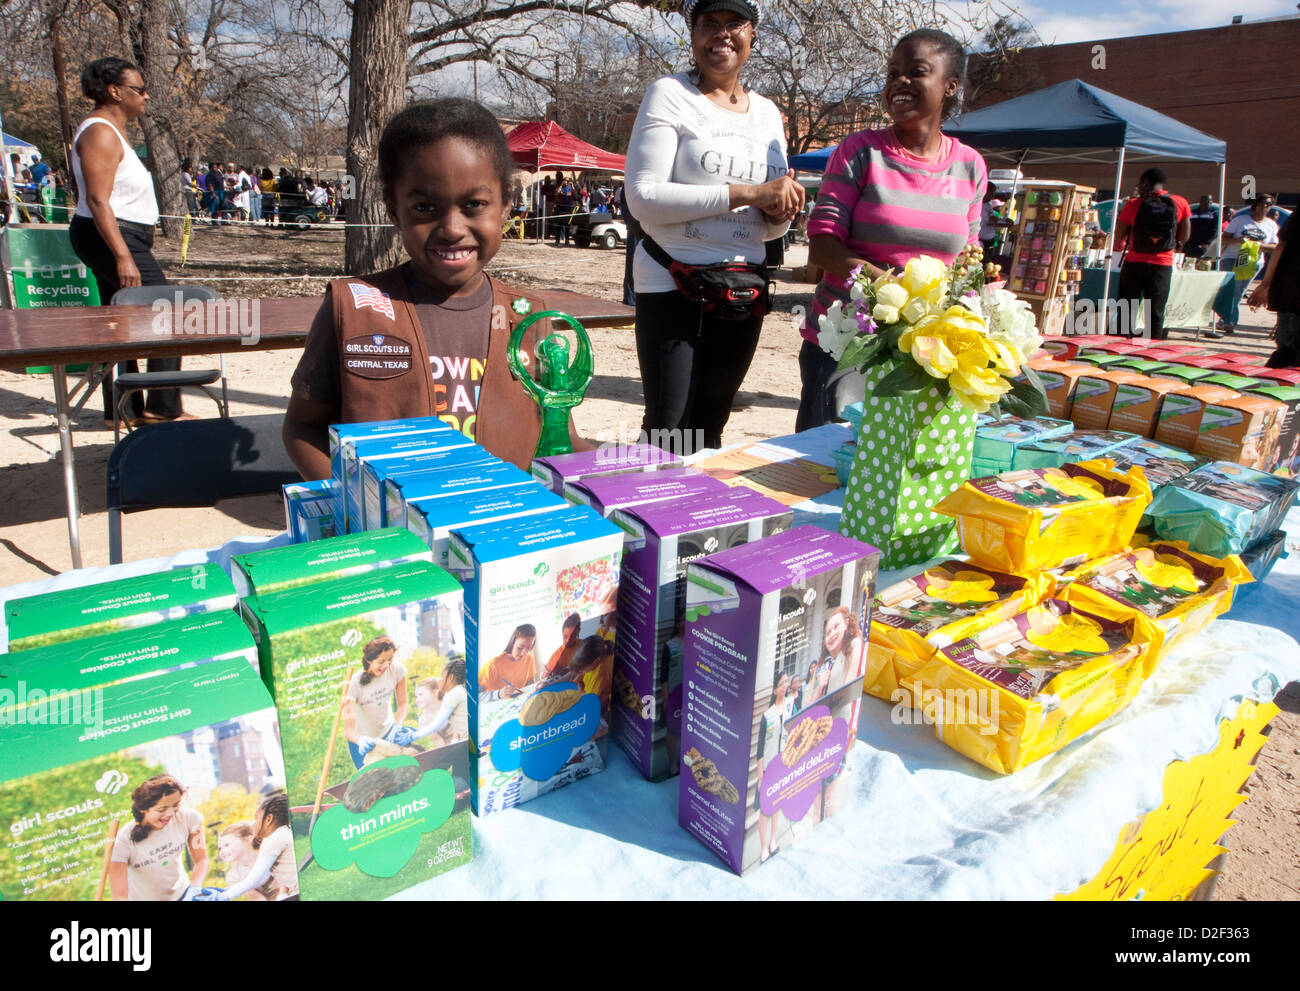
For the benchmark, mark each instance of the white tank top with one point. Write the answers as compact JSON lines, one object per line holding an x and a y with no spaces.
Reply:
{"x":132,"y":198}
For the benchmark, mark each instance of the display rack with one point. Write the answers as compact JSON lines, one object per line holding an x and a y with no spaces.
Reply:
{"x":1050,"y":248}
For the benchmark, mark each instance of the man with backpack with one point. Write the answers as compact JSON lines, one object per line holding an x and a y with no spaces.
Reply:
{"x":1154,"y":224}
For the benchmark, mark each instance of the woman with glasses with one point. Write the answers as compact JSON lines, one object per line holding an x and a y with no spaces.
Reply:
{"x":112,"y":227}
{"x":708,"y":181}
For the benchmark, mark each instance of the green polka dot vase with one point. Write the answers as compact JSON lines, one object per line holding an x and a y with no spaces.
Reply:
{"x":912,"y":451}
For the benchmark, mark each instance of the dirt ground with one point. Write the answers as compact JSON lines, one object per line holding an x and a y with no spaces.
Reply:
{"x":1264,"y":862}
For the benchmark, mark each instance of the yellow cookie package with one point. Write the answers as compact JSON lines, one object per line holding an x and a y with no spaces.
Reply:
{"x":1026,"y":687}
{"x":945,"y":603}
{"x":1164,"y":580}
{"x":1038,"y":518}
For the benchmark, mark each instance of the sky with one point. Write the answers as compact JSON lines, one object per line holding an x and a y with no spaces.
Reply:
{"x":1065,"y":21}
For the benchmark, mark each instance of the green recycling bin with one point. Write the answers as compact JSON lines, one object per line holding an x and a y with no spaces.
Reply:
{"x":41,"y":270}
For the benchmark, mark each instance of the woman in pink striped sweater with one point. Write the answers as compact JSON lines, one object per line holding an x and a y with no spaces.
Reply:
{"x":892,"y":194}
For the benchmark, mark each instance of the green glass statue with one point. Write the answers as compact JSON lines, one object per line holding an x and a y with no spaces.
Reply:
{"x":559,"y":385}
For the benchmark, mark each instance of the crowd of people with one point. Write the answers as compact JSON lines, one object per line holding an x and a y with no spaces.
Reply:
{"x":258,"y":195}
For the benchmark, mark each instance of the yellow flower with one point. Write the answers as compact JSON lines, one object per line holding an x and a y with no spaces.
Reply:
{"x":932,"y":354}
{"x":940,"y":343}
{"x":925,"y":277}
{"x":915,"y":309}
{"x":892,"y":294}
{"x":1004,"y":359}
{"x":976,"y":386}
{"x":884,"y":314}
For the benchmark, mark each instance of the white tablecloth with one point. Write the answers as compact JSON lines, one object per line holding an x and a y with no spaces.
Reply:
{"x":921,"y":820}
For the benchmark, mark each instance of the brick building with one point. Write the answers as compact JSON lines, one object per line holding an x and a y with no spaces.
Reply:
{"x":1239,"y":83}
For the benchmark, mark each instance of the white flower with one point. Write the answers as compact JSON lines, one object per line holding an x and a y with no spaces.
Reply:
{"x":835,"y":330}
{"x":1011,"y":322}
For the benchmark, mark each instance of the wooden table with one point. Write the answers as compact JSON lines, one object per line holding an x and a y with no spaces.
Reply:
{"x":103,"y":335}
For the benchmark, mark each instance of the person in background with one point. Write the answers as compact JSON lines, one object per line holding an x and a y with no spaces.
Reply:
{"x":243,"y":191}
{"x":1154,"y":224}
{"x":39,"y":169}
{"x":565,"y":203}
{"x":189,"y":188}
{"x":112,"y":227}
{"x":1279,"y":290}
{"x":991,"y":222}
{"x":1205,"y":224}
{"x":249,"y":175}
{"x":216,"y":189}
{"x":266,"y":182}
{"x":892,"y":194}
{"x":1247,"y":241}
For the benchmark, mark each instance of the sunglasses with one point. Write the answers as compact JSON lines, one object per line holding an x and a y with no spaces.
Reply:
{"x":140,"y":90}
{"x":731,"y":27}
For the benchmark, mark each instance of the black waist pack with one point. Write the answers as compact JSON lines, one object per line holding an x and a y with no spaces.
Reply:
{"x":728,"y":290}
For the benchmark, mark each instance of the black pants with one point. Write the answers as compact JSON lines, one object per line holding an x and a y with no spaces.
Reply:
{"x":1287,"y":354}
{"x":815,"y":370}
{"x":1140,"y":281}
{"x":92,"y":249}
{"x":692,"y":366}
{"x":633,"y":236}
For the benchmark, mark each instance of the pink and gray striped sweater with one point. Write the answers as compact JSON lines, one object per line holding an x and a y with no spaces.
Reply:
{"x":889,"y":206}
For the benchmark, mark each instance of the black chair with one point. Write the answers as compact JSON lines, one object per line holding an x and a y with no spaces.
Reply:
{"x":193,"y":463}
{"x":125,"y":385}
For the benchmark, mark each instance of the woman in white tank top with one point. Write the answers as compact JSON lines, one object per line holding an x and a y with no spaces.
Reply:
{"x":112,"y":228}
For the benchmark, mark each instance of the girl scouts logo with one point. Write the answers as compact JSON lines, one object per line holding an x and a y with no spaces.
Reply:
{"x":521,"y":306}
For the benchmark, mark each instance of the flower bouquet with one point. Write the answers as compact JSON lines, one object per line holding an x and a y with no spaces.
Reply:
{"x":936,"y":345}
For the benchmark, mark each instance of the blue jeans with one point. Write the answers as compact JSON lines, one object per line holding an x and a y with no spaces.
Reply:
{"x":1239,"y":286}
{"x":254,"y":207}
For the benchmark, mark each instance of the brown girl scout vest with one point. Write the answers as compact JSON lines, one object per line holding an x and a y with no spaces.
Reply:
{"x":384,"y":363}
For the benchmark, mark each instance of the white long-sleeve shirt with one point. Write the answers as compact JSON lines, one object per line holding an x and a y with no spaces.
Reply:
{"x":684,"y":152}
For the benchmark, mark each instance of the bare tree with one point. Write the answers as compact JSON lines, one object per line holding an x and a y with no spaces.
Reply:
{"x":376,"y":90}
{"x":996,"y":51}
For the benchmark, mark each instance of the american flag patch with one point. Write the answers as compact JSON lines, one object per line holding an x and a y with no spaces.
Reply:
{"x":376,"y":299}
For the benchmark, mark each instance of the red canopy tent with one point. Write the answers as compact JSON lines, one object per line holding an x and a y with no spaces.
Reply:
{"x":539,"y":145}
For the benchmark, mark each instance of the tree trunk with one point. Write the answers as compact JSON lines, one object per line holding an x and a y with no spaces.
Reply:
{"x":376,"y":91}
{"x":146,"y":27}
{"x":61,"y":87}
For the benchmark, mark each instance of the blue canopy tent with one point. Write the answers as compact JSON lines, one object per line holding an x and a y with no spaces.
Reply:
{"x":812,"y":161}
{"x":1072,"y":123}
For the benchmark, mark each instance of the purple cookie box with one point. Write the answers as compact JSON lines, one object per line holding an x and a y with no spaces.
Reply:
{"x":609,"y":492}
{"x":759,"y":616}
{"x":607,"y":459}
{"x":662,"y":539}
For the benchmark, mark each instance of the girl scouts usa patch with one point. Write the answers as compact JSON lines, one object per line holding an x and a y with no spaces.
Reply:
{"x":368,"y":297}
{"x":376,"y":356}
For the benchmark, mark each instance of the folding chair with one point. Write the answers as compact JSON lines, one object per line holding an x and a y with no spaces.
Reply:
{"x":125,"y":385}
{"x":193,"y":463}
